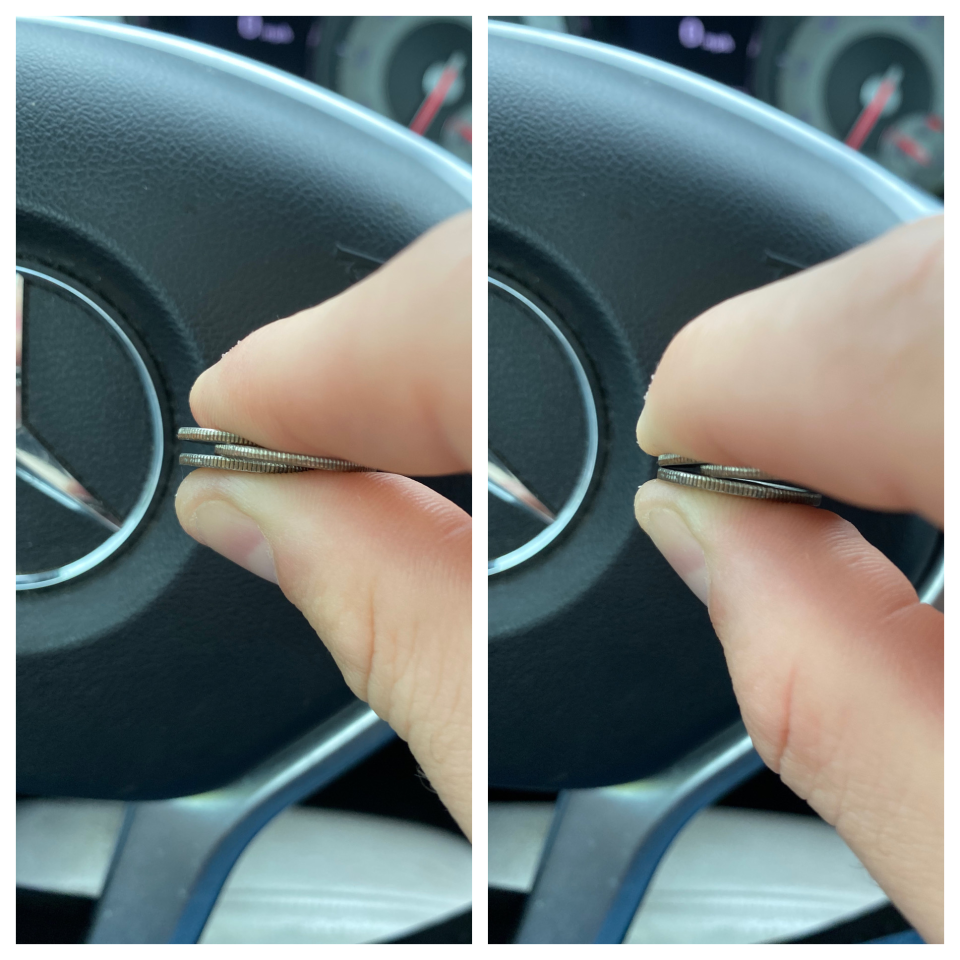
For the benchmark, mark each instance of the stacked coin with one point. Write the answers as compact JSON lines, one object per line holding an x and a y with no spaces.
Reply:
{"x":736,"y":481}
{"x":233,"y":452}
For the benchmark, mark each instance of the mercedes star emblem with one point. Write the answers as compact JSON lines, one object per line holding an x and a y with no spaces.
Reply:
{"x":544,"y":431}
{"x":82,"y":375}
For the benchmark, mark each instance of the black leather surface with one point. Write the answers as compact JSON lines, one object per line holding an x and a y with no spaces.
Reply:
{"x":630,"y":206}
{"x":200,"y":206}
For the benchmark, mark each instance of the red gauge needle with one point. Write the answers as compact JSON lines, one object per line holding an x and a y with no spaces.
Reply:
{"x":434,"y":99}
{"x":912,"y":149}
{"x":465,"y":130}
{"x":871,"y":112}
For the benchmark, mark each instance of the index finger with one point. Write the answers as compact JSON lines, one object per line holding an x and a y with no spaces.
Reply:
{"x":379,"y":375}
{"x":832,"y":378}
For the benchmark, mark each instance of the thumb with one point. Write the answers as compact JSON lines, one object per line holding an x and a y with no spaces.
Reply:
{"x":380,"y":566}
{"x":837,"y":667}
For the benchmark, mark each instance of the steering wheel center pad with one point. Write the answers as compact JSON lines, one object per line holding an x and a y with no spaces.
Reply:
{"x":629,"y":196}
{"x":201,"y":196}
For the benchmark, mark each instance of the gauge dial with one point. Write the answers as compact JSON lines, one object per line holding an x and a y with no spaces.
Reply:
{"x":856,"y":77}
{"x":456,"y":134}
{"x":415,"y":70}
{"x":913,"y":149}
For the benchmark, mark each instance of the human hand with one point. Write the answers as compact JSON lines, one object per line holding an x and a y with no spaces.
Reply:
{"x":833,"y":379}
{"x":378,"y":563}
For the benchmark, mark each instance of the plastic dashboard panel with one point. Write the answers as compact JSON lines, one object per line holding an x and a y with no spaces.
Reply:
{"x":200,"y":195}
{"x":629,"y":196}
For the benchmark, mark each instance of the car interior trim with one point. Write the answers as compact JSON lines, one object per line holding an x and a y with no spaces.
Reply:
{"x":932,"y":590}
{"x":605,"y":843}
{"x":174,"y":856}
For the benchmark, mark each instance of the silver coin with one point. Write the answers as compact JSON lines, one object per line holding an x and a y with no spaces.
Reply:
{"x":714,"y":469}
{"x":301,"y":460}
{"x":206,"y":435}
{"x":736,"y":473}
{"x":228,"y":463}
{"x":756,"y":490}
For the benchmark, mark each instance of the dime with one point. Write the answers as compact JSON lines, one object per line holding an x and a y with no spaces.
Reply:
{"x":300,"y":460}
{"x":713,"y":469}
{"x":736,"y":473}
{"x":228,"y":463}
{"x":205,"y":435}
{"x":233,"y":452}
{"x":755,"y":489}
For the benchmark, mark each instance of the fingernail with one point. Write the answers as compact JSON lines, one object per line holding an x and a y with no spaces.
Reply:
{"x":222,"y":527}
{"x":677,"y":544}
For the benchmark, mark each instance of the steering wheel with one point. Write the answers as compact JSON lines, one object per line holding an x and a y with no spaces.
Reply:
{"x":627,"y":196}
{"x":171,"y":198}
